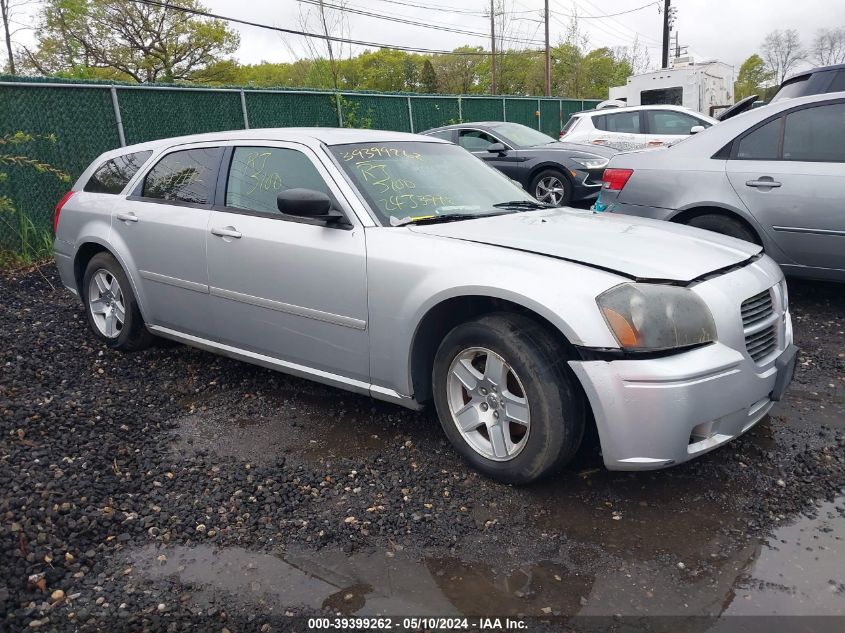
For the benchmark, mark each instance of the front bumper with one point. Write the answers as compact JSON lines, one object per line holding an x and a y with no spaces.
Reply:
{"x":664,"y":411}
{"x":587,"y":183}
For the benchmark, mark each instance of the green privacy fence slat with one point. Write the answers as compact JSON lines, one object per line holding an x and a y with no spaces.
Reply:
{"x":269,"y":109}
{"x":381,"y":112}
{"x":83,"y":122}
{"x":550,"y":117}
{"x":482,"y":109}
{"x":154,"y":114}
{"x":434,"y":112}
{"x":81,"y":115}
{"x":522,"y":111}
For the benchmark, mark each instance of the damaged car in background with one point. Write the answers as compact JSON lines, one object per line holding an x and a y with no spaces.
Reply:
{"x":402,"y":267}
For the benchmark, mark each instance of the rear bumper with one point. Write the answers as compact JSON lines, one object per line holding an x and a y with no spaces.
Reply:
{"x":63,"y":254}
{"x":664,"y":411}
{"x":656,"y":213}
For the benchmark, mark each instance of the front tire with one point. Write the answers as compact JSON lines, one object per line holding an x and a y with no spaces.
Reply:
{"x":552,"y":187}
{"x":506,"y":398}
{"x":110,"y":305}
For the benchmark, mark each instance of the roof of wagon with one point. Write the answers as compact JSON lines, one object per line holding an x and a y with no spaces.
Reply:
{"x":306,"y":135}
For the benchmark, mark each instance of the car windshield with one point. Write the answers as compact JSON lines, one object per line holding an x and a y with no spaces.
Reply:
{"x":409,"y":181}
{"x":522,"y":135}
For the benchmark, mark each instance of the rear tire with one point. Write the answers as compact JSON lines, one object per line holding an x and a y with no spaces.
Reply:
{"x":725,"y":225}
{"x":110,"y":305}
{"x":552,"y":187}
{"x":506,"y":398}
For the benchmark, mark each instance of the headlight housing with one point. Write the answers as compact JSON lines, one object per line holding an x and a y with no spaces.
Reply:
{"x":653,"y":317}
{"x":592,"y":163}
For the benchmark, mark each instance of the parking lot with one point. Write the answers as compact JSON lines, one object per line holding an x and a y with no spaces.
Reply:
{"x":152,"y":489}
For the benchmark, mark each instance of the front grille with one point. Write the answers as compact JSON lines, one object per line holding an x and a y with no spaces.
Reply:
{"x":757,"y":308}
{"x":760,"y":342}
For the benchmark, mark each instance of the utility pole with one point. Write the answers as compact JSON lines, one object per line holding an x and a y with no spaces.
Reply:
{"x":493,"y":46}
{"x":666,"y":7}
{"x":548,"y":56}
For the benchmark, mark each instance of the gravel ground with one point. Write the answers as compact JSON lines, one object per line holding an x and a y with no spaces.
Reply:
{"x":173,"y":489}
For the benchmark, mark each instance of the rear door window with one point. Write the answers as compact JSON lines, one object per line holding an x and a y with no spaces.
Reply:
{"x":815,"y":134}
{"x":185,"y":176}
{"x":761,"y":144}
{"x":622,"y":122}
{"x":258,"y":174}
{"x":113,"y":175}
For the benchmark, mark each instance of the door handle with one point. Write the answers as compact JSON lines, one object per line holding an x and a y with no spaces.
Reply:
{"x":765,"y":182}
{"x":127,"y":217}
{"x":228,"y":231}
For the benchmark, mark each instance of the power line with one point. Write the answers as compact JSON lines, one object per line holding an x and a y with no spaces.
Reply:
{"x":406,"y":20}
{"x":429,"y":7}
{"x":331,"y":38}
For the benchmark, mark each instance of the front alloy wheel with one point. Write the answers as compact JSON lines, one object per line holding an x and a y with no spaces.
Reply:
{"x":551,"y":190}
{"x":488,"y":404}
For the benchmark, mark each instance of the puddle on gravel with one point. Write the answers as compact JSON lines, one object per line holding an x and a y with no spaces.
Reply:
{"x":796,"y":571}
{"x":262,"y":440}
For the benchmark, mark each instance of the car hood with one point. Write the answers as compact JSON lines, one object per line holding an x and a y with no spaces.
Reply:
{"x":638,"y":248}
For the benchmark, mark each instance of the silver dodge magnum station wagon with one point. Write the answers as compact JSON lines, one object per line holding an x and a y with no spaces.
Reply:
{"x":403,"y":267}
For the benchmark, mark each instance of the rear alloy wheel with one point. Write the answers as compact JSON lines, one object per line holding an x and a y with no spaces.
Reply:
{"x":506,"y":398}
{"x":110,"y":305}
{"x":552,"y":187}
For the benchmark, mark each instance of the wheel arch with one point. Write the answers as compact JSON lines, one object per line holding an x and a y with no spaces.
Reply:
{"x":685,"y":215}
{"x":558,"y":167}
{"x":442,"y":317}
{"x":90,"y":247}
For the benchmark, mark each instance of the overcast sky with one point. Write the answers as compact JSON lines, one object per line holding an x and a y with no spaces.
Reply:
{"x":728,"y":30}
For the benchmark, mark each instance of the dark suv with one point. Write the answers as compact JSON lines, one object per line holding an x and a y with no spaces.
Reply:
{"x":812,"y":82}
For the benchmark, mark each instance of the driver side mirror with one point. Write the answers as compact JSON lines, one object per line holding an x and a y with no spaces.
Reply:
{"x":497,"y":148}
{"x":308,"y":203}
{"x":695,"y":129}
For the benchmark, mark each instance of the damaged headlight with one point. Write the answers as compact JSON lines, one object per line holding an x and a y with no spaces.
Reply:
{"x":652,"y":317}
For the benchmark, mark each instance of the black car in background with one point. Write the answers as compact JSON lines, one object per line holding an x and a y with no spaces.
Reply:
{"x":815,"y":81}
{"x":553,"y":172}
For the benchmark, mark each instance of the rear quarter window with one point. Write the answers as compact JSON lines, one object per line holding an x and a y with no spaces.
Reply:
{"x":113,"y":175}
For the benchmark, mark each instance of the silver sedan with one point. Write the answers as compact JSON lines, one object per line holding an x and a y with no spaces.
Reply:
{"x":403,"y":267}
{"x":773,"y":176}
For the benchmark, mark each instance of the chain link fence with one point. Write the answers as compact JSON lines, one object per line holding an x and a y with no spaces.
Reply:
{"x":88,"y":118}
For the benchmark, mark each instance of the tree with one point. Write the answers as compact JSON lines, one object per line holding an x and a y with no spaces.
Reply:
{"x":134,"y":41}
{"x":11,"y":19}
{"x":829,"y":46}
{"x":782,"y":51}
{"x":458,"y":74}
{"x":327,"y":55}
{"x":601,"y":69}
{"x":428,"y":78}
{"x":752,"y":77}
